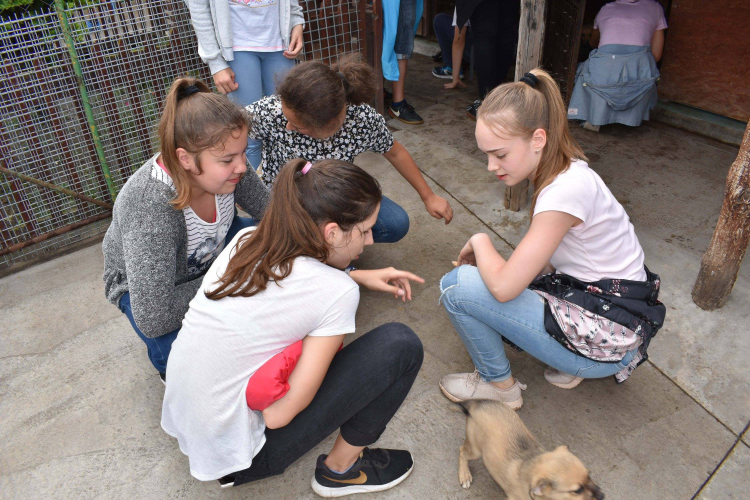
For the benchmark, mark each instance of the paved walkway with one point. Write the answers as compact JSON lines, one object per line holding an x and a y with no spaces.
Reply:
{"x":80,"y":403}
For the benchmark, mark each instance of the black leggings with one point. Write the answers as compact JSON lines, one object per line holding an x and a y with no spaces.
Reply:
{"x":365,"y":385}
{"x":494,"y":29}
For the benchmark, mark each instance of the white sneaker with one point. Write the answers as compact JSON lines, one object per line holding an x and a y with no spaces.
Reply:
{"x":560,"y":379}
{"x":460,"y":387}
{"x":590,"y":127}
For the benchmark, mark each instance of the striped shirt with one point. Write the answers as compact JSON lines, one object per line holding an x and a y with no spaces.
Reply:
{"x":205,"y":239}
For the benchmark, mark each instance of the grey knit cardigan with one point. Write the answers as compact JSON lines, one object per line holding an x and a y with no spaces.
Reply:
{"x":145,"y":249}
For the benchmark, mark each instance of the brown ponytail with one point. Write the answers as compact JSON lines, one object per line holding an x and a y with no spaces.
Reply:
{"x":317,"y":93}
{"x":194,"y":119}
{"x":331,"y":191}
{"x":519,"y":109}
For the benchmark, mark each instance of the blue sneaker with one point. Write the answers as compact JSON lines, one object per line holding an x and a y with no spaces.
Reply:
{"x":445,"y":72}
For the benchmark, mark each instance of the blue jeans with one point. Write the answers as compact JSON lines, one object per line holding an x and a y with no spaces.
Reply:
{"x":444,"y":31}
{"x":407,"y":18}
{"x":159,"y":347}
{"x":392,"y":223}
{"x":257,"y":74}
{"x":482,"y":321}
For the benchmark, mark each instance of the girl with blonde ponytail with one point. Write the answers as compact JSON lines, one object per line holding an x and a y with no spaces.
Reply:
{"x":575,"y":293}
{"x":258,"y":376}
{"x":173,"y":216}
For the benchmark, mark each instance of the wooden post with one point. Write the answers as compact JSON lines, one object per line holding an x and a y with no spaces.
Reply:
{"x":528,"y":57}
{"x":721,"y":262}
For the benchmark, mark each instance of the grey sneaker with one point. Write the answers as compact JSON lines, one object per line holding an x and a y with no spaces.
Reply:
{"x":590,"y":127}
{"x":460,"y":387}
{"x":560,"y":379}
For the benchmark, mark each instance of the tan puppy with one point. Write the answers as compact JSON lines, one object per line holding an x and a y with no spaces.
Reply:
{"x":516,"y":461}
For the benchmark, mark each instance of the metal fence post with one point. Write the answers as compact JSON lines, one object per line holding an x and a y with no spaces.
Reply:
{"x":69,"y":42}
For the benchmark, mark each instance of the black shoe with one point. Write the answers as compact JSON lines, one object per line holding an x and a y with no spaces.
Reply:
{"x":405,"y":113}
{"x":374,"y":470}
{"x":163,"y":377}
{"x":226,"y":481}
{"x":387,"y":95}
{"x":471,"y":111}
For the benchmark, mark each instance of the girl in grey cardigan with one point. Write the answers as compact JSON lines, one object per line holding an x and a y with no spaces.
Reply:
{"x":174,"y":215}
{"x":247,"y":44}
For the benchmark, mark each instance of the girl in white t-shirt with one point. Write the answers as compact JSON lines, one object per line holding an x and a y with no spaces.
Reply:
{"x":272,"y":287}
{"x":578,"y":231}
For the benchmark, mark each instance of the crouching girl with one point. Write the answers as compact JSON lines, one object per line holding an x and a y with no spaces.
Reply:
{"x":173,"y":216}
{"x":272,"y":287}
{"x":575,"y":293}
{"x":322,"y":112}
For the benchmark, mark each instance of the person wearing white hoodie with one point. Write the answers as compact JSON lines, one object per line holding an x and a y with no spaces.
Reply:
{"x":248,"y":45}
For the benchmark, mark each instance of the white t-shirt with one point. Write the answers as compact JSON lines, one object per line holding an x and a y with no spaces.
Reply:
{"x":255,"y":25}
{"x":605,"y":244}
{"x":223,"y":342}
{"x":205,"y":239}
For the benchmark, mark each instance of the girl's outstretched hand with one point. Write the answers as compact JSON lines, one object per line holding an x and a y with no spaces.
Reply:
{"x":388,"y":280}
{"x":467,"y":255}
{"x":295,"y":43}
{"x":439,"y":207}
{"x":454,"y":85}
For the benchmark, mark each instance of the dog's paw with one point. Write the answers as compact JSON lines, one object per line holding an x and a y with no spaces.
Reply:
{"x":465,"y":478}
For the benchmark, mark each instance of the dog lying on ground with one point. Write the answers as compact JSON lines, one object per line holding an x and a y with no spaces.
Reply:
{"x":516,"y":461}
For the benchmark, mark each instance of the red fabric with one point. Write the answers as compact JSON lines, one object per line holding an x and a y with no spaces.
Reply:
{"x":271,"y":381}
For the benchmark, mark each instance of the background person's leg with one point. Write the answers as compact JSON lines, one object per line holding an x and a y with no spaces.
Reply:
{"x":392,"y":223}
{"x":158,"y":347}
{"x":444,"y":34}
{"x":364,"y":387}
{"x":274,"y":67}
{"x":484,"y":30}
{"x":247,"y":74}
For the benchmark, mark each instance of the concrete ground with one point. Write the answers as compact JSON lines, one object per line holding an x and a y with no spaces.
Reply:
{"x":80,"y":402}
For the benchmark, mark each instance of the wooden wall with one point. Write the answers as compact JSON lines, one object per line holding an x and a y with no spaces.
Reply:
{"x":706,"y":62}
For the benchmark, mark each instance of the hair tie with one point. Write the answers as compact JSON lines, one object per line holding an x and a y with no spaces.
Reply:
{"x":530,"y":79}
{"x":306,"y":168}
{"x":185,"y":92}
{"x":343,"y":80}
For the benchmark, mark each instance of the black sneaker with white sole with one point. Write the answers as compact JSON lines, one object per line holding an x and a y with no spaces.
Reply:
{"x":405,"y":113}
{"x":374,"y":470}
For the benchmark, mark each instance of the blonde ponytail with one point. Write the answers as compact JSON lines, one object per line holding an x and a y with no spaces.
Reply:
{"x":519,"y":108}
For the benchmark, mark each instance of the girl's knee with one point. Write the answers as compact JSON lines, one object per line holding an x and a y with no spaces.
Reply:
{"x":404,"y":342}
{"x":459,"y":281}
{"x":401,"y":225}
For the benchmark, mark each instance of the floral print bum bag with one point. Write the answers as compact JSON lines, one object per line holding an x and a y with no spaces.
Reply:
{"x":603,"y":320}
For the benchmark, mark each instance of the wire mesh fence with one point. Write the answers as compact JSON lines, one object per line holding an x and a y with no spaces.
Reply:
{"x":128,"y":53}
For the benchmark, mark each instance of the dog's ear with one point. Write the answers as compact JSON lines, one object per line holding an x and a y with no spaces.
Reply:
{"x":541,"y":487}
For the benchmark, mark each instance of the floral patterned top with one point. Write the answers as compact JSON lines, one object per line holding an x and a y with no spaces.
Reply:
{"x":364,"y":129}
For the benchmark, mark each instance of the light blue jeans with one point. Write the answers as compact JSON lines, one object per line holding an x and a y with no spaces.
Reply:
{"x":482,"y":321}
{"x":257,"y":74}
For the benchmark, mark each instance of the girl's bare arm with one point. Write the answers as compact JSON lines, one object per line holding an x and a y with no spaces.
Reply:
{"x":305,"y":380}
{"x":507,"y":279}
